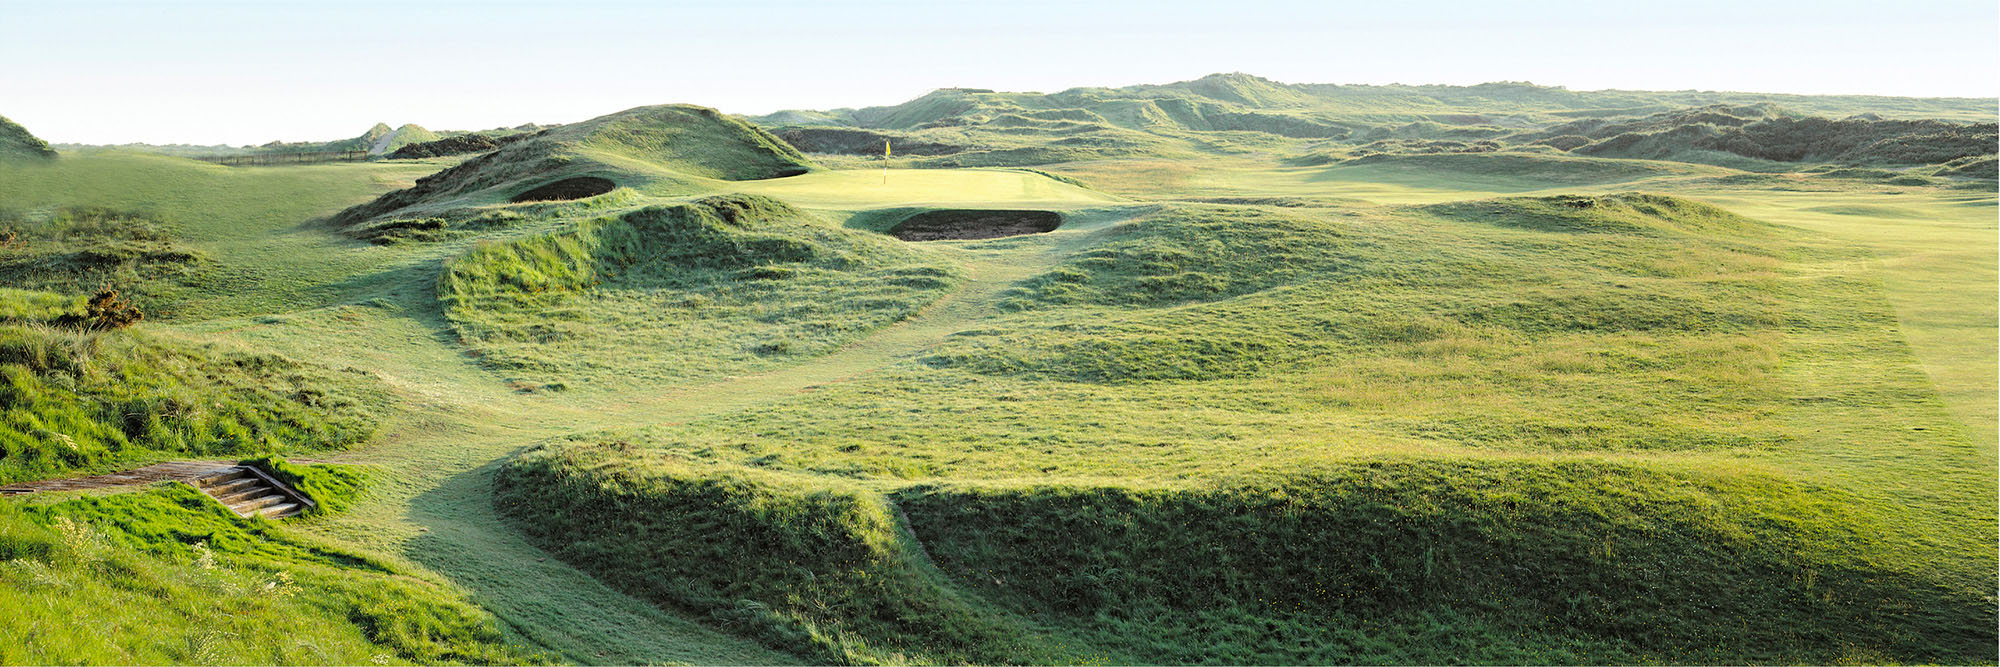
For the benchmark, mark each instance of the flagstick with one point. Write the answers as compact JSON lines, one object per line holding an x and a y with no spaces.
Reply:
{"x":885,"y":161}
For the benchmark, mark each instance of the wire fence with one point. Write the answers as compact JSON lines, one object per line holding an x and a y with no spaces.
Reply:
{"x":267,"y":159}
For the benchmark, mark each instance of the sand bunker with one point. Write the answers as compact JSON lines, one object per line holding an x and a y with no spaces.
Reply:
{"x":567,"y":189}
{"x":967,"y":224}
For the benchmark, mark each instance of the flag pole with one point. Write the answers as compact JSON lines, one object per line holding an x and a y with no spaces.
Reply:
{"x":885,"y":161}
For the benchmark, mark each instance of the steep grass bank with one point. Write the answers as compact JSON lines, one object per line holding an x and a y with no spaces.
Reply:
{"x":167,"y":575}
{"x":1531,"y":429}
{"x":1527,"y":561}
{"x":1371,"y":560}
{"x":719,"y":285}
{"x":80,"y":400}
{"x":817,"y":568}
{"x":81,"y":249}
{"x":668,"y":147}
{"x":17,"y":144}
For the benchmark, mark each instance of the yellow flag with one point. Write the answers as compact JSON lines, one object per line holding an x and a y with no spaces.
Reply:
{"x":885,"y":149}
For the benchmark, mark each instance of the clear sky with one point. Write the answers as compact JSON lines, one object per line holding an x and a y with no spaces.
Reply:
{"x":253,"y":71}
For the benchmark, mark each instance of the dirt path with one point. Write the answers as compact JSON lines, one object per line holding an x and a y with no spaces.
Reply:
{"x":185,"y":471}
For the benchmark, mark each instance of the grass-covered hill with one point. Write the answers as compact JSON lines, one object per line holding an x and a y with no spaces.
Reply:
{"x":164,"y":575}
{"x":1248,"y":373}
{"x":1240,"y":113}
{"x":378,"y":140}
{"x":16,"y":143}
{"x":1727,"y":134}
{"x":714,"y":286}
{"x":80,"y":250}
{"x":671,"y":148}
{"x":78,"y":394}
{"x":1526,"y":429}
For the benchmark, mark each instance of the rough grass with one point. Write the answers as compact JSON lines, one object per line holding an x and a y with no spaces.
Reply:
{"x":85,"y":249}
{"x":19,"y":306}
{"x":16,"y":143}
{"x":332,"y":488}
{"x":821,"y":570}
{"x":167,"y":575}
{"x":1530,"y":416}
{"x":1194,"y":293}
{"x":88,"y":401}
{"x":1569,"y":561}
{"x":670,"y":148}
{"x":716,"y":286}
{"x":1713,"y":406}
{"x":249,"y":223}
{"x":1527,"y":562}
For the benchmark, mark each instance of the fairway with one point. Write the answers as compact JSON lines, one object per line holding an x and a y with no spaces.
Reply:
{"x":1936,"y":259}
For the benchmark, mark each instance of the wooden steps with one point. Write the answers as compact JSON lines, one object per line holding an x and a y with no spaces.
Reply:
{"x":248,"y":492}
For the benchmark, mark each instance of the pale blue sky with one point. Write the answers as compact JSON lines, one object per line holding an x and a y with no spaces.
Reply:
{"x":250,"y":72}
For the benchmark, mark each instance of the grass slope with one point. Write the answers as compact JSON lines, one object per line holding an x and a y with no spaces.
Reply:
{"x":1241,"y":114}
{"x":82,"y":250}
{"x":1530,"y":365}
{"x":167,"y":575}
{"x":672,"y":149}
{"x":16,"y":143}
{"x":91,"y":401}
{"x":719,"y":285}
{"x":1428,"y":406}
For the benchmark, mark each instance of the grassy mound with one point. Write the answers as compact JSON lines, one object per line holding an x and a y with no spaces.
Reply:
{"x":1560,"y":562}
{"x":332,"y":488}
{"x":822,"y":570}
{"x":18,"y":306}
{"x":16,"y":143}
{"x":1500,"y":171}
{"x":87,"y":401}
{"x":1367,"y":561}
{"x":1241,"y":114}
{"x":1973,"y":167}
{"x":167,"y":575}
{"x":458,"y":145}
{"x":1626,"y":213}
{"x":409,"y":134}
{"x":850,"y":141}
{"x":1206,"y":292}
{"x":83,"y":249}
{"x":1716,"y":134}
{"x":671,"y":148}
{"x":717,"y":285}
